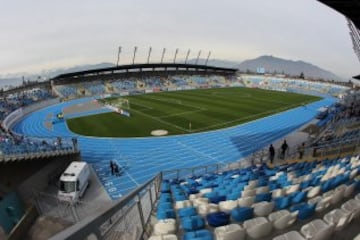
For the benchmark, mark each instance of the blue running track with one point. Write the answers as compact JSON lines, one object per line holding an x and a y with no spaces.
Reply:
{"x":142,"y":158}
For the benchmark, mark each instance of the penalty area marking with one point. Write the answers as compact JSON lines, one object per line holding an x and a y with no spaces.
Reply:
{"x":159,"y":132}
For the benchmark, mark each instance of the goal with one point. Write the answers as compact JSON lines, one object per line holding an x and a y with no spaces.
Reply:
{"x":121,"y":103}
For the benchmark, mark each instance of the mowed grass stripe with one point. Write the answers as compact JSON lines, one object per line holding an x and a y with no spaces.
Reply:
{"x":205,"y":109}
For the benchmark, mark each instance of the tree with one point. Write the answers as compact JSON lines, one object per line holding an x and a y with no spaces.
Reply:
{"x":302,"y":75}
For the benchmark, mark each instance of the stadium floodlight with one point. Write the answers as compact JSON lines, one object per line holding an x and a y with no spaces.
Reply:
{"x":198,"y":56}
{"x":148,"y":59}
{"x":207,"y":59}
{"x":135,"y":49}
{"x":162,"y":56}
{"x":118,"y":57}
{"x":176,"y":52}
{"x":187,"y":56}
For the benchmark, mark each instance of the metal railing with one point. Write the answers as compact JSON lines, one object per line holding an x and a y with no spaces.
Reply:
{"x":124,"y":219}
{"x":129,"y":218}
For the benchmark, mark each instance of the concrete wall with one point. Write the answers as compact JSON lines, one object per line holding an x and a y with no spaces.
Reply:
{"x":49,"y":174}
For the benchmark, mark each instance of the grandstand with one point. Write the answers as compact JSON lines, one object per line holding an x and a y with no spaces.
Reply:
{"x":31,"y":130}
{"x":211,"y":185}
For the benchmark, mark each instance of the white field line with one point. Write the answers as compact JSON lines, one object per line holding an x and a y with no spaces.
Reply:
{"x":177,"y":102}
{"x":141,"y":105}
{"x":181,"y":113}
{"x":247,"y":117}
{"x":162,"y":121}
{"x":199,"y":109}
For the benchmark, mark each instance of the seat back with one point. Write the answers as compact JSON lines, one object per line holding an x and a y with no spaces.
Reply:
{"x":324,"y":233}
{"x":259,"y":230}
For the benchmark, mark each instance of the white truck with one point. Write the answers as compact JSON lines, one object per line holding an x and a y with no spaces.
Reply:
{"x":74,"y":181}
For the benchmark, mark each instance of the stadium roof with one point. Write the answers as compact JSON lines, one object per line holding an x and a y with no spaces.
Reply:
{"x":349,"y":8}
{"x":152,"y":67}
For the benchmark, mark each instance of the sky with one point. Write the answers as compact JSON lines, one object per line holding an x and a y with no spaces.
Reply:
{"x":41,"y":35}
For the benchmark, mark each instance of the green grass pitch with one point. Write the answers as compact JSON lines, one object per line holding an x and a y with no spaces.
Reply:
{"x":204,"y":110}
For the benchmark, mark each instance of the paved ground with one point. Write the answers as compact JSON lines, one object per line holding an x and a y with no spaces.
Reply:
{"x":53,"y":221}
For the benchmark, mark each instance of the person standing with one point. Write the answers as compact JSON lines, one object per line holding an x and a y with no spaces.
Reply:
{"x":284,"y":147}
{"x":301,"y":150}
{"x":112,"y":167}
{"x":271,"y":153}
{"x":116,"y":169}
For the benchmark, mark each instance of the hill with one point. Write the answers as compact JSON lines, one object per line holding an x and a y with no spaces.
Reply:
{"x":270,"y":63}
{"x":290,"y":67}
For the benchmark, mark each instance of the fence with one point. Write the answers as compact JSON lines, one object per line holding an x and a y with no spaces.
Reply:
{"x":50,"y":205}
{"x":348,"y":146}
{"x":124,"y":219}
{"x":129,"y":218}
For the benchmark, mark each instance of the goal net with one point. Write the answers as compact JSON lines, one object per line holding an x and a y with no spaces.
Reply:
{"x":122,"y":103}
{"x":119,"y":103}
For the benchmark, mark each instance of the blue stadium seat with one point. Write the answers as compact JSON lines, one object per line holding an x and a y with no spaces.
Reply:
{"x":282,"y":202}
{"x":263,"y":197}
{"x":217,"y":219}
{"x":198,"y":235}
{"x":187,"y":212}
{"x":305,"y":210}
{"x":240,"y":214}
{"x":192,"y":223}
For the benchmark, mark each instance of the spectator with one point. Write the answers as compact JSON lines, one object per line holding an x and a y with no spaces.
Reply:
{"x":272,"y":153}
{"x":112,"y":167}
{"x":74,"y":140}
{"x":284,"y":147}
{"x":301,"y":150}
{"x":116,"y":169}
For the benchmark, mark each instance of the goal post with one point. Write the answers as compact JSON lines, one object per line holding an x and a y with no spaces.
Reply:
{"x":120,"y":103}
{"x":123,"y":103}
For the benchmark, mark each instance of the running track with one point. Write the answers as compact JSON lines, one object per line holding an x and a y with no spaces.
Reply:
{"x":142,"y":158}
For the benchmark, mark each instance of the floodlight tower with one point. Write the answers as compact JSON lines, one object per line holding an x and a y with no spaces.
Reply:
{"x":148,"y":59}
{"x":198,"y":56}
{"x":118,"y":57}
{"x":207,"y":59}
{"x":176,"y":52}
{"x":162,"y":56}
{"x":355,"y":37}
{"x":135,"y":49}
{"x":187,"y":56}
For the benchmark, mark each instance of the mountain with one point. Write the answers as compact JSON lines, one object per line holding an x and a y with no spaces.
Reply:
{"x":289,"y":67}
{"x":16,"y":79}
{"x":53,"y":73}
{"x":270,"y":63}
{"x":216,"y":62}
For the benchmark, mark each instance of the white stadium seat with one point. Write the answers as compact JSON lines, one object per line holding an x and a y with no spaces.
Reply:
{"x":293,"y":235}
{"x":317,"y":230}
{"x":230,"y":232}
{"x":283,"y":218}
{"x":258,"y":227}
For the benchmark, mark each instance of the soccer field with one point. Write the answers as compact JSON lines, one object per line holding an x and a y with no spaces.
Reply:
{"x":190,"y":111}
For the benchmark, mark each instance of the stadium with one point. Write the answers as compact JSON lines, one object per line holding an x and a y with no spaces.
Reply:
{"x":190,"y":143}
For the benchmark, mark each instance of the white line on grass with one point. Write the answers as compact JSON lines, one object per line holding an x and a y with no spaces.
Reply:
{"x":177,"y":101}
{"x":141,"y":105}
{"x":161,"y":121}
{"x":247,"y":117}
{"x":199,"y":109}
{"x":181,"y":113}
